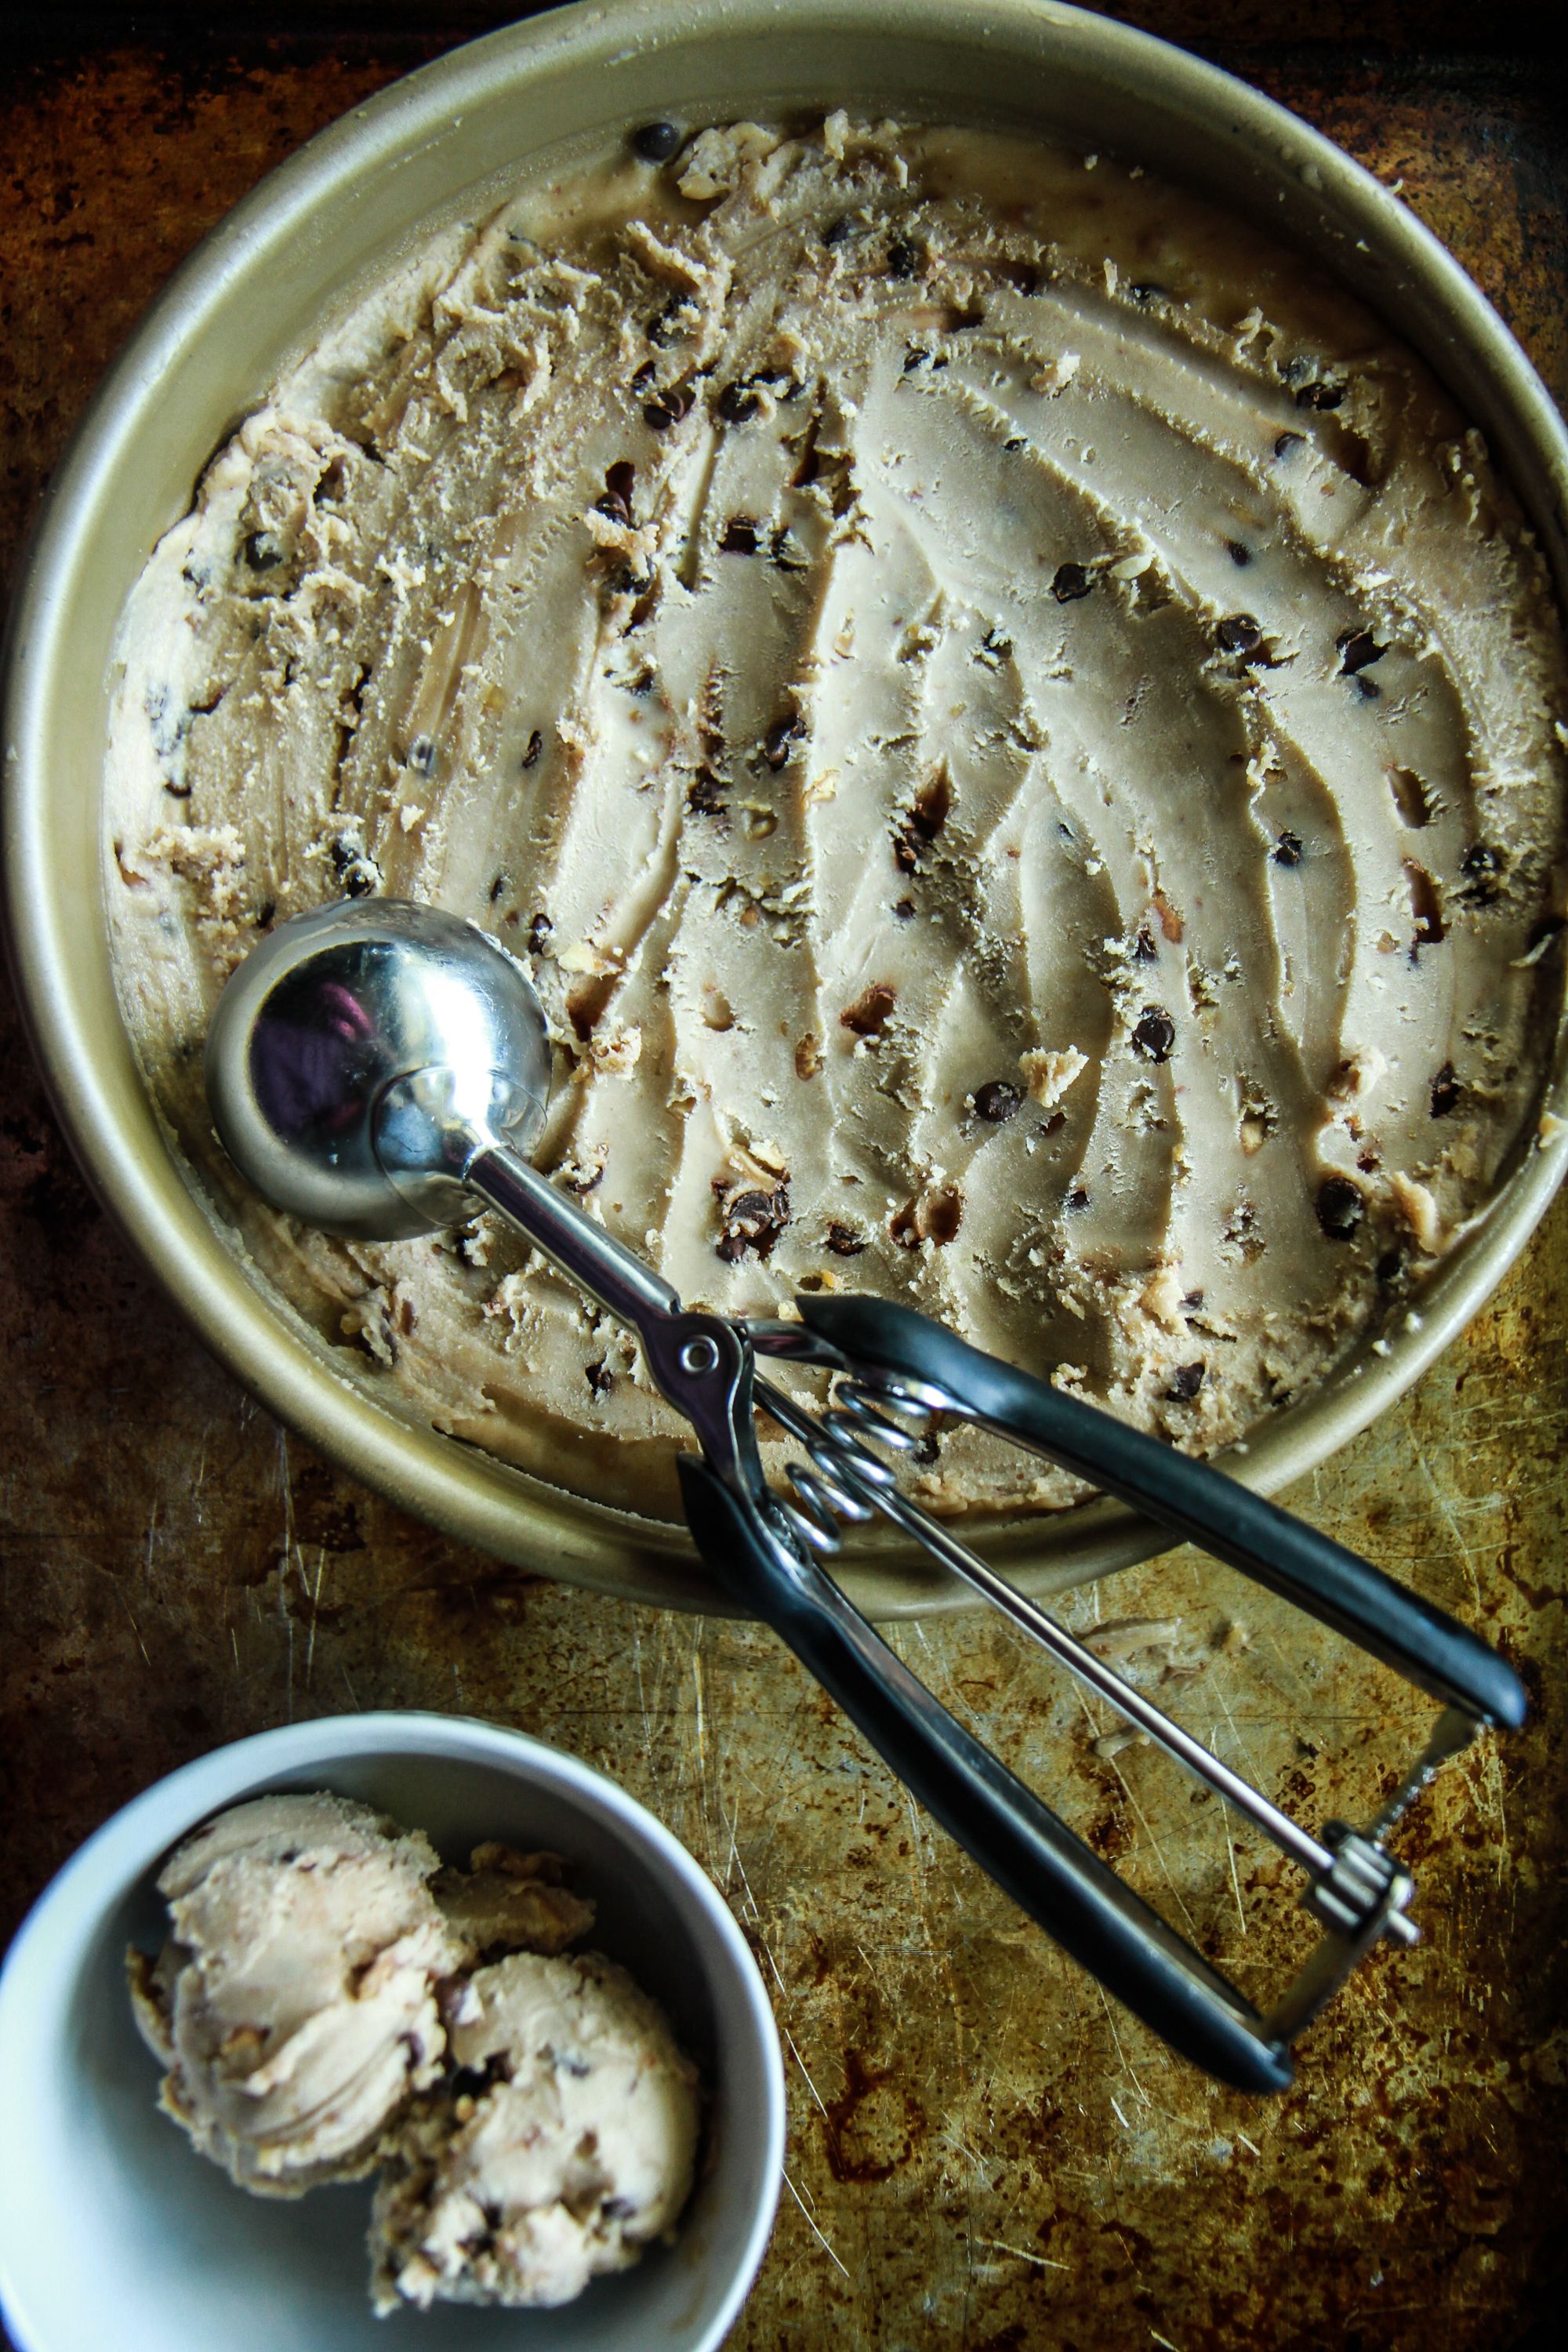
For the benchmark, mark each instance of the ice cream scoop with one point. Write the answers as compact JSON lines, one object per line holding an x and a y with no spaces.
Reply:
{"x":293,"y":2004}
{"x":566,"y":2145}
{"x":377,"y":1065}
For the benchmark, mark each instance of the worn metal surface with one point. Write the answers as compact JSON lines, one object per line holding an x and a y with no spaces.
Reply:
{"x":982,"y":2155}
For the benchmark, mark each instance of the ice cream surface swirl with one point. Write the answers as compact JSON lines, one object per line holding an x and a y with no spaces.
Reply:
{"x":1016,"y":730}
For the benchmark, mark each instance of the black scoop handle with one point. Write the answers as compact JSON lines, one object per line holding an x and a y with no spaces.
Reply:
{"x":1190,"y":1498}
{"x":1018,"y":1840}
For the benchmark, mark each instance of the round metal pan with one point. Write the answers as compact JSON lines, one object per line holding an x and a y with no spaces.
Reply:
{"x":250,"y":298}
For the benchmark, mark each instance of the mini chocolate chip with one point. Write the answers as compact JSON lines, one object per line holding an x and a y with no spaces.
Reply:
{"x":752,"y":1221}
{"x":1285,"y":442}
{"x":923,"y":822}
{"x":422,"y":755}
{"x":539,"y":930}
{"x":1238,"y":634}
{"x":261,"y":550}
{"x":500,"y":886}
{"x":837,"y":230}
{"x":1185,"y":1382}
{"x":535,"y":745}
{"x":1368,"y":689}
{"x":1147,"y":291}
{"x":1390,"y":1266}
{"x":1480,"y":865}
{"x":1238,"y":554}
{"x":1156,"y":1035}
{"x":1143,"y":946}
{"x":924,"y":1449}
{"x":667,"y":408}
{"x":916,"y":356}
{"x":1070,"y":582}
{"x":904,"y":257}
{"x":740,"y":537}
{"x":1078,"y":1198}
{"x":780,"y":736}
{"x":1444,"y":1091}
{"x":656,"y":142}
{"x":644,"y":375}
{"x":600,"y":1378}
{"x":265,"y":913}
{"x":1287,"y":850}
{"x":1357,"y":650}
{"x":661,"y":328}
{"x":1015,"y":441}
{"x":843,"y":1240}
{"x":736,"y":402}
{"x":1320,"y":396}
{"x":1339,"y":1207}
{"x":905,"y":911}
{"x":996,"y":1100}
{"x":356,"y":870}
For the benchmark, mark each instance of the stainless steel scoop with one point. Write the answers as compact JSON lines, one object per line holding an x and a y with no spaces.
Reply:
{"x":375,"y":1068}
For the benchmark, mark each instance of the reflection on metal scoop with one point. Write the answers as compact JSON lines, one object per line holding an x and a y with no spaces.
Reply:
{"x":340,"y":1030}
{"x":378,"y":1068}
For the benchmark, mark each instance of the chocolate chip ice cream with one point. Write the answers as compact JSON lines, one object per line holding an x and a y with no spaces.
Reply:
{"x":1018,"y":731}
{"x":294,"y":2002}
{"x":321,"y":2012}
{"x":564,"y":2145}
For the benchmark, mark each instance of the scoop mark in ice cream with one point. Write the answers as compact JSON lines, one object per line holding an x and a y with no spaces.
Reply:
{"x":978,"y":749}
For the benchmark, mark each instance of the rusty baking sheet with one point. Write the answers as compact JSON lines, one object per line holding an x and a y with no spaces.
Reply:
{"x":982,"y":2155}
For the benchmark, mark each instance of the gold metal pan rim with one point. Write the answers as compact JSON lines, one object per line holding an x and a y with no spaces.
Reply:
{"x":247,"y":297}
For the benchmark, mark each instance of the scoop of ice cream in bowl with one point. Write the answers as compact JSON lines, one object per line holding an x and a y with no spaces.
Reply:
{"x":414,"y":1976}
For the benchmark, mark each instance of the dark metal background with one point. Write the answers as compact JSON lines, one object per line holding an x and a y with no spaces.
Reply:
{"x":982,"y":2157}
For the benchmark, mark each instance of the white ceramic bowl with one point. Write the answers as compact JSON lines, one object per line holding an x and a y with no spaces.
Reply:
{"x":114,"y":2233}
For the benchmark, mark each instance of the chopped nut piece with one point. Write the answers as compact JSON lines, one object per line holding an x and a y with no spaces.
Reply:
{"x":869,"y":1013}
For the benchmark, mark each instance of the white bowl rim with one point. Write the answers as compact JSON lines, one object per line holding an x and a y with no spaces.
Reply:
{"x":124,"y":1848}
